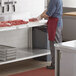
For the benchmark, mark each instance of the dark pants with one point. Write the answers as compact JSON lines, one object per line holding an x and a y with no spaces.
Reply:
{"x":58,"y":39}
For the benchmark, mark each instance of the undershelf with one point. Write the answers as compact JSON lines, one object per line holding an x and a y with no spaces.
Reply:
{"x":24,"y":54}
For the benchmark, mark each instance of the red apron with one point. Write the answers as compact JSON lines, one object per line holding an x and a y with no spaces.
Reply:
{"x":52,"y":25}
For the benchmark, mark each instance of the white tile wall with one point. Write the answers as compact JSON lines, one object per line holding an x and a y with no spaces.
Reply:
{"x":28,"y":8}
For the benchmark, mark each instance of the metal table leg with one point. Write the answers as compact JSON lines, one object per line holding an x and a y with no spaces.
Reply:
{"x":57,"y":59}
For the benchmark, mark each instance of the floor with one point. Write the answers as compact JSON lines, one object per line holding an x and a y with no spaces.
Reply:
{"x":22,"y":66}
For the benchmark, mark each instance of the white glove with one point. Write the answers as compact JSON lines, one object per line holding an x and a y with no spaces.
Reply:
{"x":39,"y":18}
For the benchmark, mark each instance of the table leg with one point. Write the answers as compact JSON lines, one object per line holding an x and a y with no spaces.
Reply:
{"x":57,"y":63}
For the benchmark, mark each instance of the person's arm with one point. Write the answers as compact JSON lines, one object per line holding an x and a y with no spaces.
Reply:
{"x":51,"y":7}
{"x":49,"y":11}
{"x":43,"y":15}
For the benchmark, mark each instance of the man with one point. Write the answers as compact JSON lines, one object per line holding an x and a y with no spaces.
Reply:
{"x":54,"y":10}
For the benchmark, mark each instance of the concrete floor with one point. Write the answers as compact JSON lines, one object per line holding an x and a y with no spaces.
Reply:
{"x":22,"y":66}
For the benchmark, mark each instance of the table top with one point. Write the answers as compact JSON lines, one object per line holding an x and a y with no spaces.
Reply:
{"x":69,"y":45}
{"x":30,"y":24}
{"x":70,"y":13}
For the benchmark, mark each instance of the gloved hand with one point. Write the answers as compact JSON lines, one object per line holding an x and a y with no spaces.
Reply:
{"x":35,"y":19}
{"x":39,"y":18}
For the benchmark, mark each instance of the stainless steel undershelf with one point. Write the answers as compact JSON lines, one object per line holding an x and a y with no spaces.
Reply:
{"x":23,"y":54}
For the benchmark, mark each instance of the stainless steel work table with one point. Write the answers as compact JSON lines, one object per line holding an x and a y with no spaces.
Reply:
{"x":23,"y":54}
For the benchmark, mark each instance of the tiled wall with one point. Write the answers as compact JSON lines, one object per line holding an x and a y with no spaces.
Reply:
{"x":28,"y":8}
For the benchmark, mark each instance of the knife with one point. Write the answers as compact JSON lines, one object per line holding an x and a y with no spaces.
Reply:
{"x":12,"y":2}
{"x":13,"y":5}
{"x":2,"y":5}
{"x":8,"y":6}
